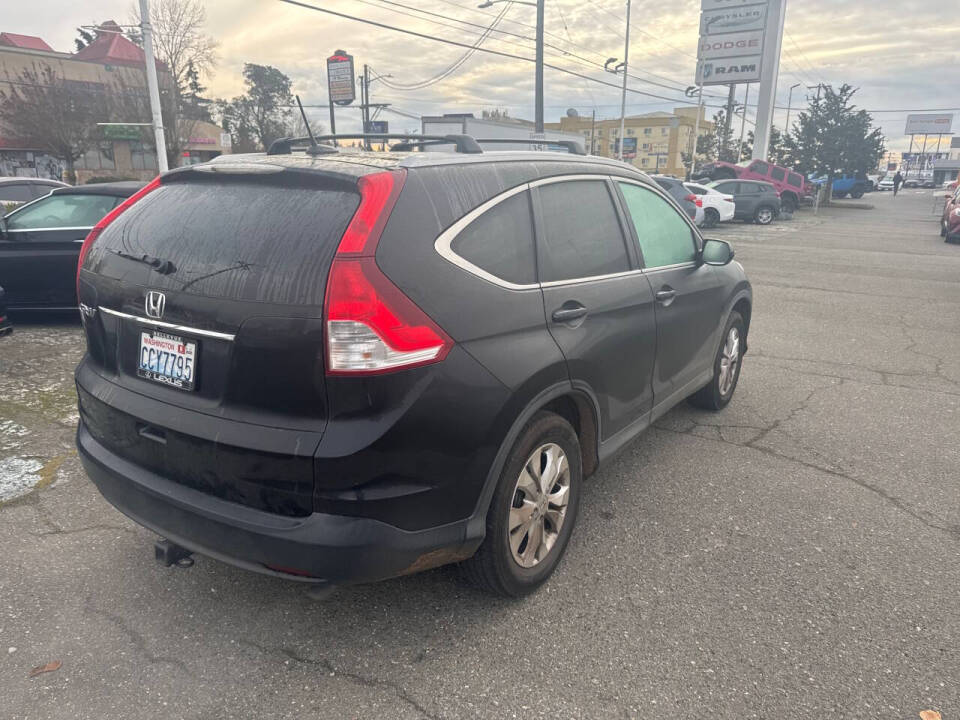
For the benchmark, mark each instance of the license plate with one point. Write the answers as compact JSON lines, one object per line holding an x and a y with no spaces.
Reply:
{"x":167,"y":359}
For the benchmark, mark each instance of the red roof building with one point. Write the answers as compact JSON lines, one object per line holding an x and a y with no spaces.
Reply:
{"x":27,"y":42}
{"x":110,"y":47}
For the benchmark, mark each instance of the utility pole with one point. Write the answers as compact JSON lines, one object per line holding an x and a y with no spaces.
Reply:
{"x":696,"y":126}
{"x":770,"y":71}
{"x":623,"y":96}
{"x":538,"y":120}
{"x":593,"y":127}
{"x":743,"y":124}
{"x":728,"y":117}
{"x":365,"y":102}
{"x":153,"y":88}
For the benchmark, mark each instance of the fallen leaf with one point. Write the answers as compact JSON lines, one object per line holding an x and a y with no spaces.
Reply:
{"x":929,"y":715}
{"x":55,"y":665}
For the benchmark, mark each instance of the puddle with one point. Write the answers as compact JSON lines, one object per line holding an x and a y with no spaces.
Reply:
{"x":18,"y":476}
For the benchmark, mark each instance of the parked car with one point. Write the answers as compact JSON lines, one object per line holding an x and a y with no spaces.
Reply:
{"x":717,"y":207}
{"x":912,"y":182}
{"x":950,"y":221}
{"x":15,"y":191}
{"x":886,"y":183}
{"x":851,"y":185}
{"x":5,"y":325}
{"x":340,"y":371}
{"x":792,"y":186}
{"x":755,"y":201}
{"x":40,"y":243}
{"x":685,"y":199}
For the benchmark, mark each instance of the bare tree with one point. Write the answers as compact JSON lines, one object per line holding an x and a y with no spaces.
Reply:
{"x":182,"y":45}
{"x":42,"y":110}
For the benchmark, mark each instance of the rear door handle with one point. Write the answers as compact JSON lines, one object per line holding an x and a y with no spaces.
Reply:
{"x":666,"y":296}
{"x":565,"y":315}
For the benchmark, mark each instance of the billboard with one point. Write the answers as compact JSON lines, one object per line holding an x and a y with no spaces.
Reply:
{"x":629,"y":148}
{"x":931,"y":124}
{"x":340,"y":78}
{"x":742,"y":69}
{"x":732,"y":35}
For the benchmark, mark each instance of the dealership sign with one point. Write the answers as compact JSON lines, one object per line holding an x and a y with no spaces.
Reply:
{"x":721,"y":46}
{"x":340,"y":78}
{"x":932,"y":124}
{"x":732,"y":35}
{"x":740,"y":69}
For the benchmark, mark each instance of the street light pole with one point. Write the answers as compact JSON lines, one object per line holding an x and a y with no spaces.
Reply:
{"x":789,"y":104}
{"x":153,"y":88}
{"x":623,"y":95}
{"x":538,"y":90}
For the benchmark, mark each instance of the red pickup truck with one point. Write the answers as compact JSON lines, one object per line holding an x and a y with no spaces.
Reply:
{"x":792,"y":186}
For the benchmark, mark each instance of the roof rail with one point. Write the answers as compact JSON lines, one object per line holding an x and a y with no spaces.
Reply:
{"x":573,"y":146}
{"x":463,"y":143}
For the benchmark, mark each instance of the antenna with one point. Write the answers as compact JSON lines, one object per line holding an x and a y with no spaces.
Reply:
{"x":314,"y":147}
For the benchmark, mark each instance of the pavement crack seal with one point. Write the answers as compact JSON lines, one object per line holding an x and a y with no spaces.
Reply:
{"x":138,"y":640}
{"x":327,"y":666}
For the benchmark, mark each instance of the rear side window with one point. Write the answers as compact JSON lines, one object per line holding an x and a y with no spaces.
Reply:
{"x":729,"y":188}
{"x":760,"y":168}
{"x":501,"y":241}
{"x":778,"y":174}
{"x":665,"y":237}
{"x":746,"y":188}
{"x":795,"y":180}
{"x":63,"y":211}
{"x":696,"y":190}
{"x":581,"y":233}
{"x":237,"y":239}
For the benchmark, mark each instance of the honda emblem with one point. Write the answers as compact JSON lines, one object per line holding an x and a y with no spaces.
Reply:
{"x":154,"y":304}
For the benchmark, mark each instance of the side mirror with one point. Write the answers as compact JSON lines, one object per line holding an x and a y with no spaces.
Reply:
{"x":717,"y":252}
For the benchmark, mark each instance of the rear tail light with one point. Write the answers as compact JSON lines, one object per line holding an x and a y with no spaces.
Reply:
{"x":109,"y":218}
{"x":371,"y":326}
{"x":695,"y":199}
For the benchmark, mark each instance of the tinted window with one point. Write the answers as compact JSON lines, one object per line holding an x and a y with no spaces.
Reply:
{"x":62,"y":211}
{"x":760,"y":167}
{"x":749,"y":189}
{"x":233,"y":238}
{"x":728,"y":188}
{"x":666,"y":185}
{"x":795,"y":180}
{"x":765,"y":188}
{"x":778,"y":174}
{"x":501,"y":241}
{"x":696,"y":190}
{"x":15,"y":193}
{"x":665,"y":237}
{"x":581,"y":234}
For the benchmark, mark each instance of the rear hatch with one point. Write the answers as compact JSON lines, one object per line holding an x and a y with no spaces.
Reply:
{"x":205,"y":300}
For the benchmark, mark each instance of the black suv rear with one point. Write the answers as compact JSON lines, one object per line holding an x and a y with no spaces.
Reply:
{"x":349,"y":367}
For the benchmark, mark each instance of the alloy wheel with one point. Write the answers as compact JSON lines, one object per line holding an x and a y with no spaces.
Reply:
{"x":729,"y":359}
{"x":539,"y":505}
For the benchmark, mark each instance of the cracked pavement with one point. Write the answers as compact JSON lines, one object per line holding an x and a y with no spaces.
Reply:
{"x":795,"y":556}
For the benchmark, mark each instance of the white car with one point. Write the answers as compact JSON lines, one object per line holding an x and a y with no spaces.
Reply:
{"x":886,"y":183}
{"x":717,"y":207}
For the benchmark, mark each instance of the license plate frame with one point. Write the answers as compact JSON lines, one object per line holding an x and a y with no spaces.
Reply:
{"x":158,"y":357}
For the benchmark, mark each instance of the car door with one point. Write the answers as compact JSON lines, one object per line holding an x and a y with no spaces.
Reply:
{"x":688,"y":294}
{"x":748,"y":198}
{"x":731,"y":188}
{"x":39,"y":250}
{"x":599,"y":305}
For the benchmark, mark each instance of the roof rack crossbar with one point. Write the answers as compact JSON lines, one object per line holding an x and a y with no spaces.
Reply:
{"x":463,"y":143}
{"x":572,"y":146}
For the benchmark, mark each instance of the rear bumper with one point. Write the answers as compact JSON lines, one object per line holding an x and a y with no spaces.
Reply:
{"x":325,"y":548}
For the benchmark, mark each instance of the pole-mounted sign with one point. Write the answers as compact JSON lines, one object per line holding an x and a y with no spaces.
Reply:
{"x":340,"y":78}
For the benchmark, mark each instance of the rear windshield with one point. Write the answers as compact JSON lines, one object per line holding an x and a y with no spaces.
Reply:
{"x":231,"y":238}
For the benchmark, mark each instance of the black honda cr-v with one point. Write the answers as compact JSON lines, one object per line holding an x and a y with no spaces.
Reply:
{"x":346,"y":366}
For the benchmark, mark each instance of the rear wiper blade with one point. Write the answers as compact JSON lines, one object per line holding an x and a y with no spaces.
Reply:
{"x":164,"y":267}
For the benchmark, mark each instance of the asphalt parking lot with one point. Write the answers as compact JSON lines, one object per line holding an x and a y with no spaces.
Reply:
{"x":795,"y":556}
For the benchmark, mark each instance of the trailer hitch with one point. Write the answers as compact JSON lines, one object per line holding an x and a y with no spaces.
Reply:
{"x":168,"y":553}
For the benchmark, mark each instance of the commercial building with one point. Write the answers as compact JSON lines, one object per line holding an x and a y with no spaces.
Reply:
{"x":499,"y":127}
{"x":654,"y":142}
{"x":110,"y":63}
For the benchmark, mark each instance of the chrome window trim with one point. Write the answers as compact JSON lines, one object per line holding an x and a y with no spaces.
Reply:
{"x":169,"y":326}
{"x":691,"y":264}
{"x":47,"y":229}
{"x":445,"y":240}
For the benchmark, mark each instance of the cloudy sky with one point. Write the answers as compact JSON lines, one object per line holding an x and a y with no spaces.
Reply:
{"x":902,"y":54}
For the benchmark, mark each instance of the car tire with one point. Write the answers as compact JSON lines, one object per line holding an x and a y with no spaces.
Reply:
{"x":506,"y":563}
{"x":711,"y":218}
{"x":764,"y":215}
{"x":839,"y":195}
{"x":856,"y":193}
{"x":789,"y":204}
{"x":943,"y":229}
{"x":717,"y":393}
